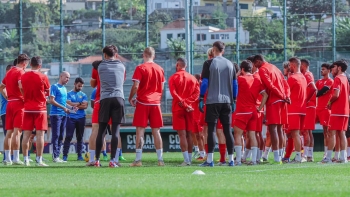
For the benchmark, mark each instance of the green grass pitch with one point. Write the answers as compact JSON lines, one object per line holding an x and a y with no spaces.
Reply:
{"x":74,"y":179}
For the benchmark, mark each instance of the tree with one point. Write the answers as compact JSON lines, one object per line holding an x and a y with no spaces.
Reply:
{"x":157,"y":20}
{"x":307,"y":9}
{"x":10,"y":38}
{"x":343,"y":34}
{"x":217,"y":19}
{"x":112,"y":8}
{"x":177,"y":47}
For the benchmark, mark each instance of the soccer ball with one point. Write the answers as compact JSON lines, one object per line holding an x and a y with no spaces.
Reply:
{"x":87,"y":156}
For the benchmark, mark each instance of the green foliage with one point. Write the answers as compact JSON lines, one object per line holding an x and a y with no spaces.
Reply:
{"x":10,"y":38}
{"x":343,"y":34}
{"x":217,"y":19}
{"x":177,"y":47}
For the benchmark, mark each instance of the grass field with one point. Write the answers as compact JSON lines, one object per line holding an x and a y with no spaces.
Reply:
{"x":74,"y":179}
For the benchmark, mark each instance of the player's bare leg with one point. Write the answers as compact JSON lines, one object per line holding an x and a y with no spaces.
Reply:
{"x":222,"y":146}
{"x":7,"y":147}
{"x":281,"y":140}
{"x":260,"y":139}
{"x":331,"y":144}
{"x":40,"y":148}
{"x":238,"y":144}
{"x":325,"y":140}
{"x":310,"y":155}
{"x":92,"y":143}
{"x":25,"y":146}
{"x":343,"y":145}
{"x":253,"y":146}
{"x":189,"y":144}
{"x":275,"y":141}
{"x":289,"y":148}
{"x":297,"y":145}
{"x":205,"y":139}
{"x":15,"y":145}
{"x":336,"y":148}
{"x":200,"y":141}
{"x":306,"y":137}
{"x":140,"y":135}
{"x":184,"y":147}
{"x":159,"y":145}
{"x":267,"y":146}
{"x":247,"y":150}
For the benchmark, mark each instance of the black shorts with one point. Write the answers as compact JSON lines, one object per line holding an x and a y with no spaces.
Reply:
{"x":217,"y":111}
{"x":347,"y":133}
{"x":111,"y":108}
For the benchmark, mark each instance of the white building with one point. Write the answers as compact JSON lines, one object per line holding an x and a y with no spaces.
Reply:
{"x":204,"y":35}
{"x":159,"y":4}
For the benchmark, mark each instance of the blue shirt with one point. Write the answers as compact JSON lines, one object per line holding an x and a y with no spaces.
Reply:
{"x":60,"y":93}
{"x":3,"y":105}
{"x":93,"y":95}
{"x":77,"y":97}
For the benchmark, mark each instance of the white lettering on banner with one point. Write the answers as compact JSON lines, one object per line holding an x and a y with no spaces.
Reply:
{"x":131,"y":142}
{"x":174,"y":142}
{"x":72,"y":149}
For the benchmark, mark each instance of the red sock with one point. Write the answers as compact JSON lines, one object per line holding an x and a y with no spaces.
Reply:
{"x":206,"y":148}
{"x":289,"y":148}
{"x":222,"y":150}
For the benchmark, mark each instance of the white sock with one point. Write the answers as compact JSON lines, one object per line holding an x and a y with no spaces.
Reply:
{"x":190,"y":157}
{"x":348,"y":151}
{"x":160,"y":154}
{"x":311,"y":152}
{"x":138,"y":154}
{"x":260,"y":152}
{"x":238,"y":150}
{"x":116,"y":157}
{"x":185,"y":156}
{"x":8,"y":155}
{"x":325,"y":150}
{"x":297,"y":156}
{"x":329,"y":154}
{"x":210,"y":157}
{"x":15,"y":155}
{"x":306,"y":150}
{"x":92,"y":155}
{"x":249,"y":155}
{"x":246,"y":152}
{"x":281,"y":152}
{"x":230,"y":158}
{"x":254,"y":153}
{"x":202,"y":153}
{"x":266,"y":152}
{"x":342,"y":155}
{"x":25,"y":158}
{"x":336,"y":155}
{"x":196,"y":148}
{"x":40,"y":159}
{"x":276,"y":156}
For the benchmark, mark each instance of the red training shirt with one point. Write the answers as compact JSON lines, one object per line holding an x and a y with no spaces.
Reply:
{"x":151,"y":78}
{"x":183,"y":88}
{"x":322,"y":101}
{"x":297,"y":84}
{"x":309,"y":80}
{"x":95,"y":76}
{"x":259,"y":99}
{"x":35,"y":86}
{"x":272,"y":78}
{"x":11,"y":81}
{"x":249,"y":89}
{"x":340,"y":107}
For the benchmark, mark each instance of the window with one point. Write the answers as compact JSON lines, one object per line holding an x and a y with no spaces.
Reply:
{"x":181,"y":36}
{"x":209,"y":4}
{"x":243,"y":6}
{"x":217,"y":36}
{"x":224,"y":36}
{"x":212,"y":36}
{"x":204,"y":37}
{"x":198,"y":37}
{"x":169,"y":36}
{"x":196,"y":3}
{"x":158,"y":5}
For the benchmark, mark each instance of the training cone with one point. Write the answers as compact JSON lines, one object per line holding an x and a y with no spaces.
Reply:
{"x":198,"y":172}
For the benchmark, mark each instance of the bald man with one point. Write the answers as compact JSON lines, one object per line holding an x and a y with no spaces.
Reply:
{"x":59,"y":110}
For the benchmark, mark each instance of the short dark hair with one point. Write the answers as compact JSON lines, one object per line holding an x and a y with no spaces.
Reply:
{"x":342,"y":63}
{"x":285,"y":64}
{"x":295,"y":60}
{"x":36,"y":61}
{"x":219,"y":45}
{"x":110,"y":50}
{"x":8,"y":67}
{"x":326,"y":65}
{"x":96,"y":63}
{"x":22,"y":57}
{"x":15,"y":62}
{"x":182,"y":60}
{"x":251,"y":58}
{"x":247,"y":66}
{"x":197,"y":76}
{"x":79,"y":80}
{"x":305,"y":61}
{"x":258,"y":57}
